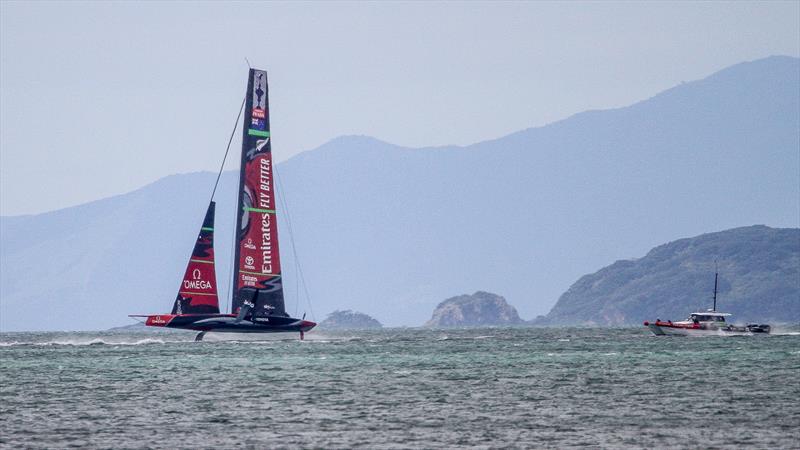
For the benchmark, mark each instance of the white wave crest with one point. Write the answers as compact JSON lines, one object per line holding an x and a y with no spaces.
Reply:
{"x":98,"y":341}
{"x":85,"y":342}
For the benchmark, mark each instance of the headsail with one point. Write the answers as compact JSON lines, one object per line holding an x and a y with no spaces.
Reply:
{"x":257,"y":268}
{"x":198,"y":291}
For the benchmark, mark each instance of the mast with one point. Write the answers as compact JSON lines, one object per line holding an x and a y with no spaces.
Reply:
{"x":257,"y":281}
{"x":716,"y":277}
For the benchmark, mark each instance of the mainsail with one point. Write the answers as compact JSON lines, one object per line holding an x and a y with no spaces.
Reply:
{"x":198,"y":291}
{"x":258,"y":289}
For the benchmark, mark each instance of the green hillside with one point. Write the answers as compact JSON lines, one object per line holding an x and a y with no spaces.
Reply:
{"x":759,"y":270}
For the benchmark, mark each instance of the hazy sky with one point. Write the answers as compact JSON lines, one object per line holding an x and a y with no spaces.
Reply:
{"x":101,"y":98}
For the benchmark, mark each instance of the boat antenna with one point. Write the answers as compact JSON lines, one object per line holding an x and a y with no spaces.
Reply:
{"x":716,"y":277}
{"x":228,"y":148}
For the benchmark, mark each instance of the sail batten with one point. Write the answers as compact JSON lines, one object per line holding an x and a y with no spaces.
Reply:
{"x":257,"y":269}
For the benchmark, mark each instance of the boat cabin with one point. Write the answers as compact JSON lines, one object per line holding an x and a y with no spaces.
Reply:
{"x":708,"y":316}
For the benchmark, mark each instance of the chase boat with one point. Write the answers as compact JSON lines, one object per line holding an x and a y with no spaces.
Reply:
{"x":704,"y":323}
{"x":708,"y":323}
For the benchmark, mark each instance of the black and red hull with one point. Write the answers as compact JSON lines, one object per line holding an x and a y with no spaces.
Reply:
{"x":221,"y":323}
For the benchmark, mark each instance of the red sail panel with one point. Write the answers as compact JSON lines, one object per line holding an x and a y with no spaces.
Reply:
{"x":197,"y":293}
{"x":258,"y":270}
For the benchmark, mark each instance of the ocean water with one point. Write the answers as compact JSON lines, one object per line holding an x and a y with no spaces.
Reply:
{"x":401,"y":388}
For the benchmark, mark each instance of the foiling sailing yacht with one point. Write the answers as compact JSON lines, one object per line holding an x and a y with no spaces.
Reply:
{"x":257,"y":303}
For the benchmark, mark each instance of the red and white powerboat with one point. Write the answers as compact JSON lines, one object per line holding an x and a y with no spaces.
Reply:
{"x":708,"y":323}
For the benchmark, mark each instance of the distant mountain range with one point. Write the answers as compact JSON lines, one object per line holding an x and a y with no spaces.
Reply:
{"x":759,"y":281}
{"x":391,"y":231}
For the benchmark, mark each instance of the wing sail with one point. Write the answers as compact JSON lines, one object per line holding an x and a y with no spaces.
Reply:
{"x":257,"y":267}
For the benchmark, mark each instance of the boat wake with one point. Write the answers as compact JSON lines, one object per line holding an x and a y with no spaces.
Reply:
{"x":87,"y":342}
{"x":257,"y":338}
{"x":221,"y":338}
{"x":464,"y":338}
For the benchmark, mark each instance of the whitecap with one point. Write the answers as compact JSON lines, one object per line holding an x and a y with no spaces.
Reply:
{"x":98,"y":341}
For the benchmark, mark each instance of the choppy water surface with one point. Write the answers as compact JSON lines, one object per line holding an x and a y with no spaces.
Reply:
{"x":401,"y":388}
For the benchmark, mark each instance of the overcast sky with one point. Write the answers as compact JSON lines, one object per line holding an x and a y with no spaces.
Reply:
{"x":101,"y":98}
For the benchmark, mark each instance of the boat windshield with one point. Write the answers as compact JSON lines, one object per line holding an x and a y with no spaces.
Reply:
{"x":706,"y":318}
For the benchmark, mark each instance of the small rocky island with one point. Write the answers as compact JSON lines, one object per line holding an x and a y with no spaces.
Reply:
{"x":478,"y":309}
{"x":349,"y":320}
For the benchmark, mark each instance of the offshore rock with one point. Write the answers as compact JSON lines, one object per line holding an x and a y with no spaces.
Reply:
{"x":478,"y":309}
{"x":344,"y":320}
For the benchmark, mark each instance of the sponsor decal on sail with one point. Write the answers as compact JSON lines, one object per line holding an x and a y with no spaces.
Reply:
{"x":249,"y":280}
{"x":258,"y":113}
{"x":259,"y":99}
{"x":197,"y":281}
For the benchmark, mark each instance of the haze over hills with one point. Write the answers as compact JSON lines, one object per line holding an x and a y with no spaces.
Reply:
{"x":391,"y":231}
{"x":759,"y":281}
